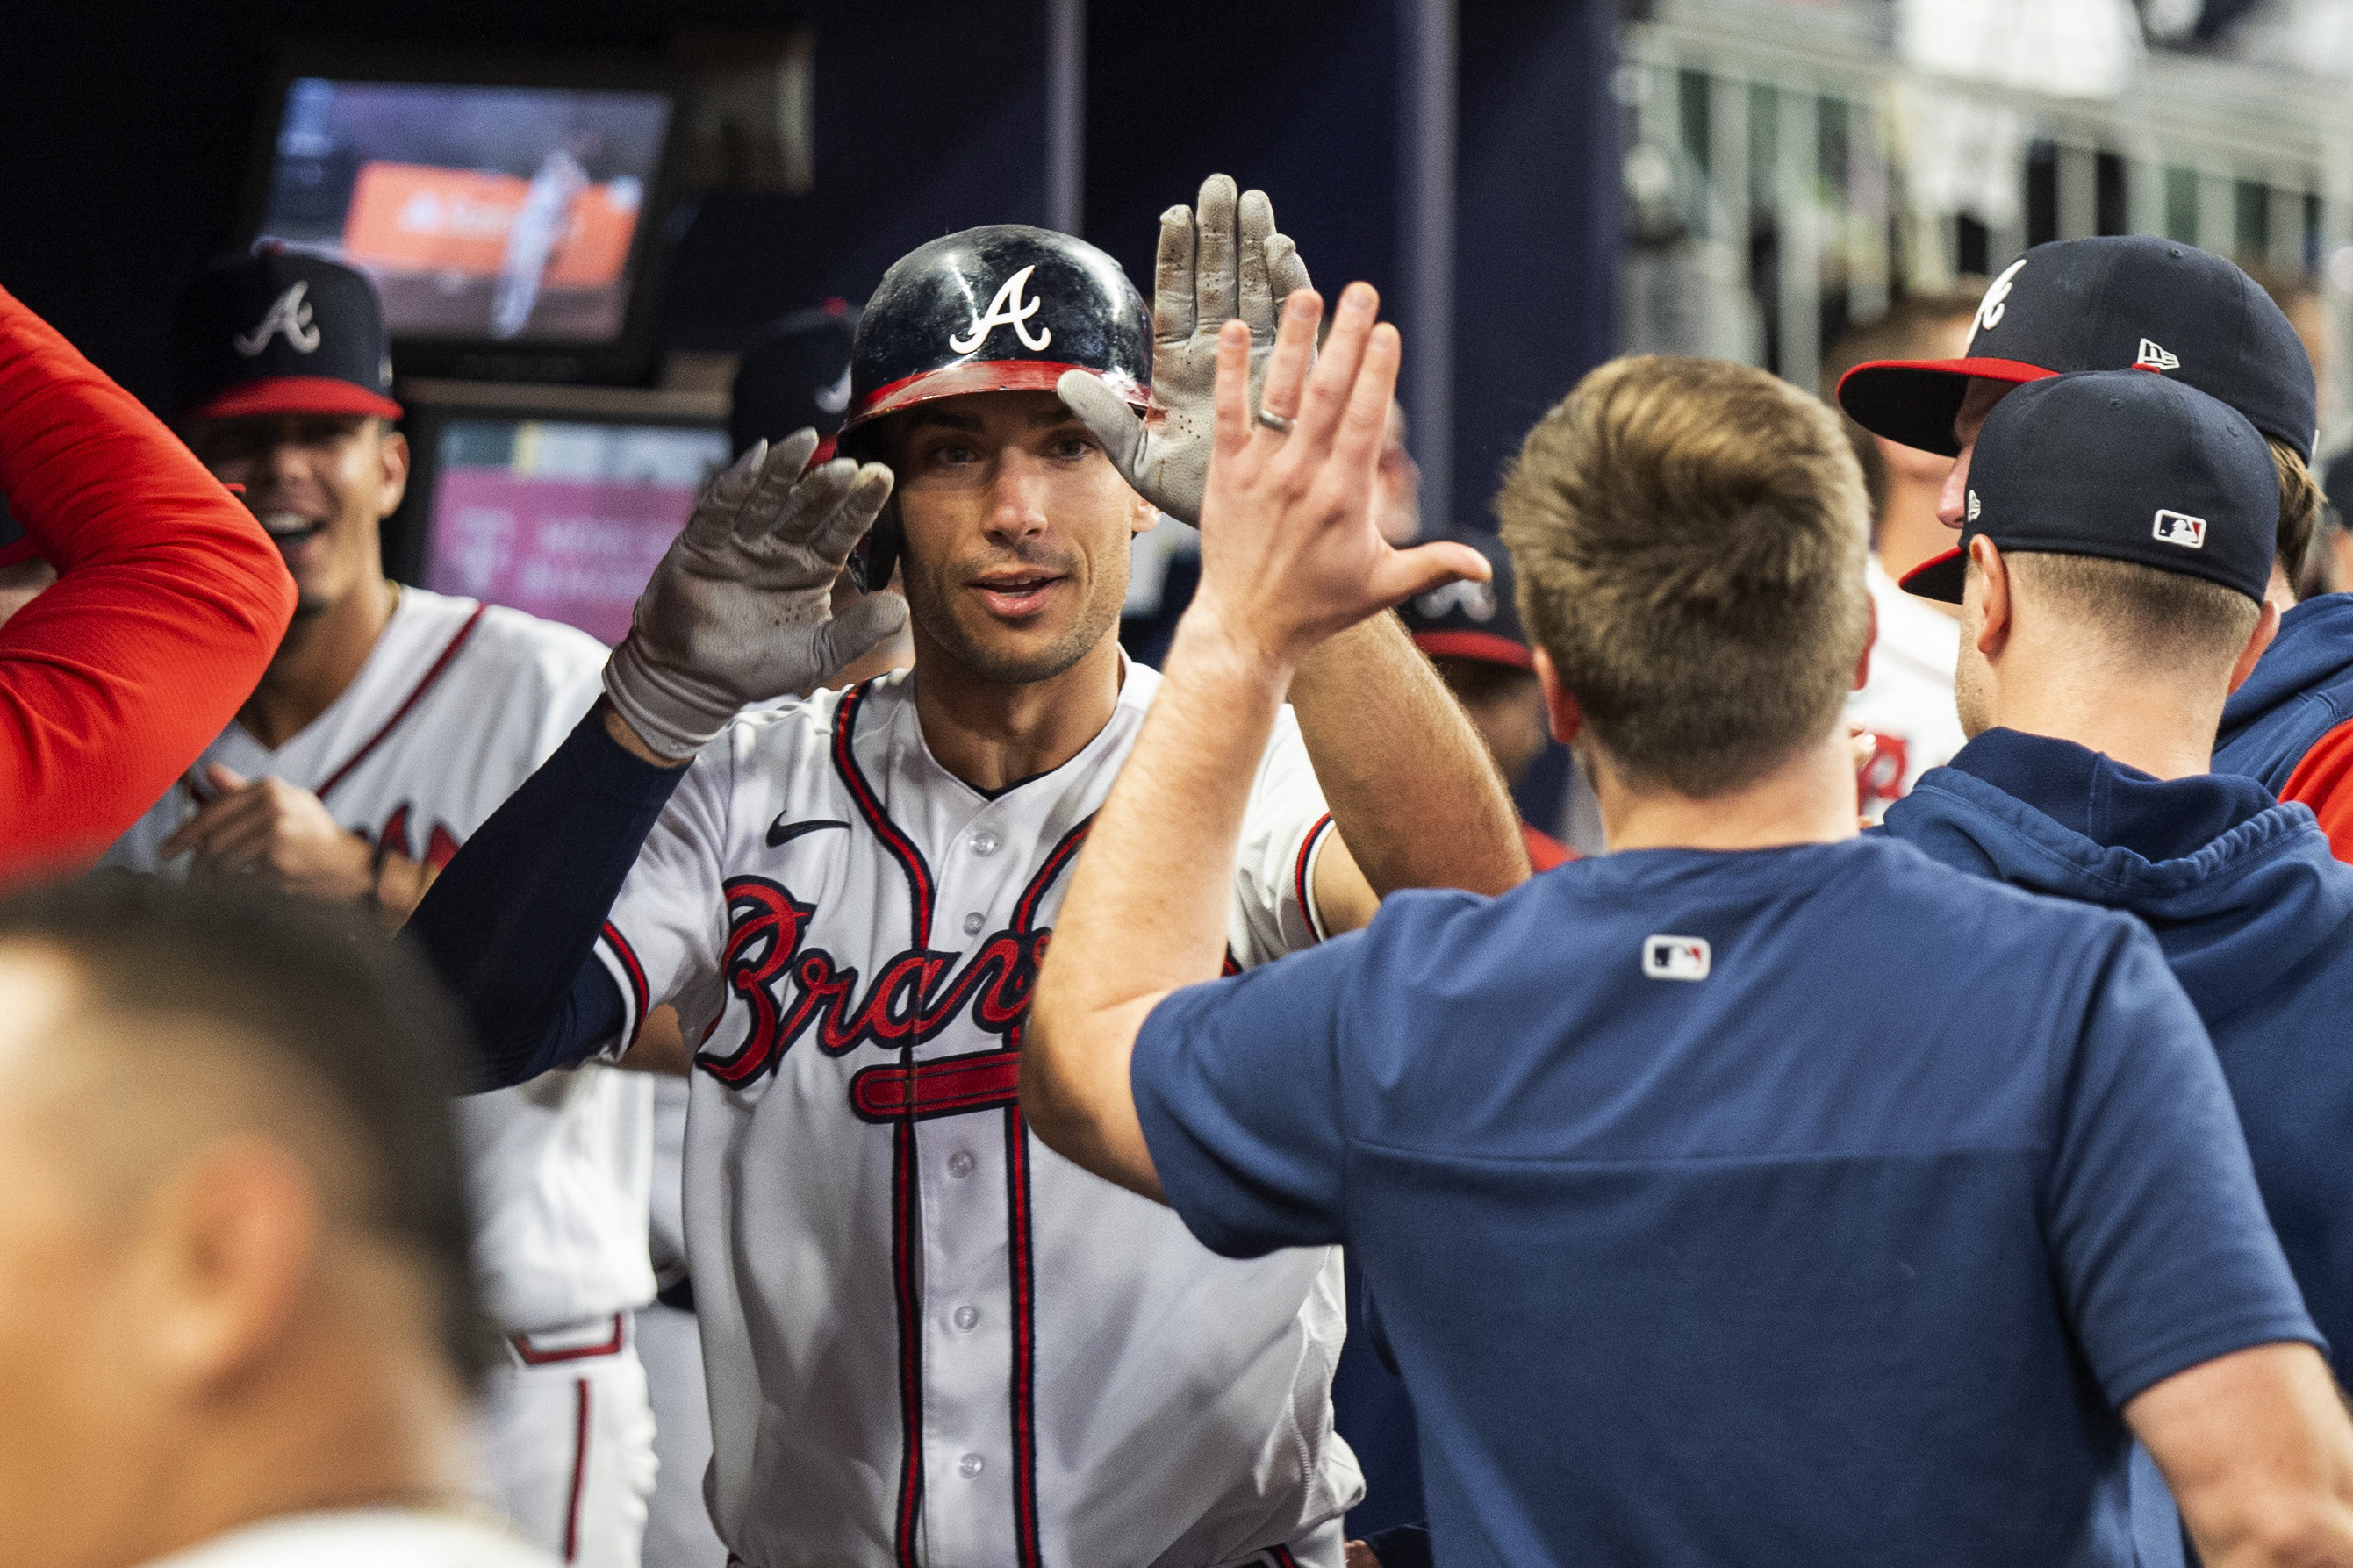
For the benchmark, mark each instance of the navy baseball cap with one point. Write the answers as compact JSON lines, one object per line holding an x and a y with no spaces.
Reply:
{"x":794,"y":375}
{"x":2125,"y":465}
{"x":280,"y":331}
{"x":1472,"y":620}
{"x":2105,"y":304}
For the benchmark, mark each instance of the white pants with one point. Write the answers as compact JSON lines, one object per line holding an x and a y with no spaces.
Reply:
{"x":677,"y":1531}
{"x":567,"y":1442}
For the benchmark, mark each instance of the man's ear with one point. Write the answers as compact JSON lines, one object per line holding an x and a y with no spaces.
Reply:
{"x":231,"y":1248}
{"x":2267,"y":627}
{"x":1567,"y":718}
{"x":1869,"y":641}
{"x":393,"y":449}
{"x":1994,"y":606}
{"x":1145,"y":518}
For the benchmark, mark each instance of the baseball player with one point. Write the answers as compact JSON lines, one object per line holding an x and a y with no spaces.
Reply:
{"x":1688,"y":1259}
{"x":929,"y":1340}
{"x":237,"y":1326}
{"x":2114,"y":578}
{"x":389,"y":726}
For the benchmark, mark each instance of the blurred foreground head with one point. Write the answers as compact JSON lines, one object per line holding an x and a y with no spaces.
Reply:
{"x":1690,"y":537}
{"x":234,"y":1281}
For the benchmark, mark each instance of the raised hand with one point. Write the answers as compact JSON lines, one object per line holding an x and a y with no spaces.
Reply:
{"x":1291,"y":549}
{"x":740,"y":609}
{"x":1220,"y":262}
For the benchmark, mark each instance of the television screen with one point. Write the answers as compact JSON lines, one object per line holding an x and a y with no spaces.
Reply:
{"x":502,"y":213}
{"x":563,"y":519}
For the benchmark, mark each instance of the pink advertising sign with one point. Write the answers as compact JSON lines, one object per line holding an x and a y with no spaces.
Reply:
{"x":576,"y":551}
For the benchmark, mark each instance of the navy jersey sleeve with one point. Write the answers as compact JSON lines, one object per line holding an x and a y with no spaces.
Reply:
{"x":1237,"y":1085}
{"x":2164,"y":1252}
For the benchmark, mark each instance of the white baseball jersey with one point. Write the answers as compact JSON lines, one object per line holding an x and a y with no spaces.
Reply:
{"x":457,"y":704}
{"x":931,"y":1340}
{"x":1906,"y":700}
{"x":363,"y":1537}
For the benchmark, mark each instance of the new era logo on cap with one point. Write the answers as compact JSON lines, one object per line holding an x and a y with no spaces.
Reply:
{"x":2181,"y":527}
{"x":1675,"y":957}
{"x":2154,"y":357}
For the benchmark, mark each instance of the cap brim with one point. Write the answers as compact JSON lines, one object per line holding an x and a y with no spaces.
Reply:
{"x":1940,"y":578}
{"x":1913,"y":401}
{"x":980,"y":375}
{"x":297,"y":395}
{"x":1487,"y":647}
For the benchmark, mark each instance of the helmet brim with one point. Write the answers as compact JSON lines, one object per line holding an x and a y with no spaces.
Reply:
{"x":982,"y":375}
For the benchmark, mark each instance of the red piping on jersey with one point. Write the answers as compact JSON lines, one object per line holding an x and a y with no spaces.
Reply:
{"x":416,"y":695}
{"x":1282,"y":1557}
{"x":1299,"y":874}
{"x":630,"y":966}
{"x":903,"y":1177}
{"x":902,"y":847}
{"x":579,"y":1470}
{"x":530,"y":1357}
{"x":1023,"y":1395}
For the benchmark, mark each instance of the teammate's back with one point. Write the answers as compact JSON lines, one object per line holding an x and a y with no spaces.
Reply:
{"x":1701,"y":1209}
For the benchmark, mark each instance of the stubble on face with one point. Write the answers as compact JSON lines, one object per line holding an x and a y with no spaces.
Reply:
{"x":937,"y":607}
{"x":1972,"y":684}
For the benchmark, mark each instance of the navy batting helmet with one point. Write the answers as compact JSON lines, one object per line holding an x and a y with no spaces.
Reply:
{"x":1007,"y":308}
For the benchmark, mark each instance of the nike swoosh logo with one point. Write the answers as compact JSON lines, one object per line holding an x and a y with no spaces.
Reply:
{"x":780,"y":831}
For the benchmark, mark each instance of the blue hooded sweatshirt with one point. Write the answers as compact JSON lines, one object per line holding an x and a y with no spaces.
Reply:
{"x":2255,"y":916}
{"x":2290,"y":727}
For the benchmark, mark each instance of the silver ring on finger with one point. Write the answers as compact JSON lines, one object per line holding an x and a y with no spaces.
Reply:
{"x":1275,"y":422}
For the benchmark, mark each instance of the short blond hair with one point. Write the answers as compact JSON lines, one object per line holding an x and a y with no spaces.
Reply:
{"x":1690,"y":537}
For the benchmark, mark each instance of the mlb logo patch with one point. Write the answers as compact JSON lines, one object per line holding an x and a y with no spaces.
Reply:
{"x":1675,"y":957}
{"x":2181,"y":527}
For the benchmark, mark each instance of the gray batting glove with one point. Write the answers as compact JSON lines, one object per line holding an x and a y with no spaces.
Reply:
{"x":740,"y":609}
{"x":1206,"y":274}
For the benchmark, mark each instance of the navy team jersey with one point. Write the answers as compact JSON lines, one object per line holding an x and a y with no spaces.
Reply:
{"x":1810,"y":1206}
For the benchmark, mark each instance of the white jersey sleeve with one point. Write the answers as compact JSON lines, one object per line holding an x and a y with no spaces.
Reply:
{"x":1284,"y":829}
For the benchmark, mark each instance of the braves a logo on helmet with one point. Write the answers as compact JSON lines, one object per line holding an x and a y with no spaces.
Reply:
{"x":1008,"y":308}
{"x":767,"y":960}
{"x":290,"y":314}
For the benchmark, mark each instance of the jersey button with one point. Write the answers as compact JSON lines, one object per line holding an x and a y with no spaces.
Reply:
{"x":972,"y":923}
{"x":965,"y":1317}
{"x":969,"y":1466}
{"x":960,"y":1164}
{"x":986,"y":842}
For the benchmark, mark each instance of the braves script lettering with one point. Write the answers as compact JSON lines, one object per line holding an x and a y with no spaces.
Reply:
{"x":789,"y":987}
{"x":291,"y":315}
{"x":1007,"y":309}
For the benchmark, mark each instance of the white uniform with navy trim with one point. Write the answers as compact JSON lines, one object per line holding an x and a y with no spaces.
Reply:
{"x":456,"y":706}
{"x":930,"y":1339}
{"x":1906,"y":699}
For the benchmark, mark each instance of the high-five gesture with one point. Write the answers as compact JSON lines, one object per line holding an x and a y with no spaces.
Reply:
{"x":740,"y":609}
{"x":1292,"y":551}
{"x":1220,"y":262}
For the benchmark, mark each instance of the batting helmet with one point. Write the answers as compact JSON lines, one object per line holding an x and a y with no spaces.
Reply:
{"x":1007,"y":308}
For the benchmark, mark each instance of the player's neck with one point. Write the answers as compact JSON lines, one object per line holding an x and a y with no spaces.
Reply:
{"x":320,"y":656}
{"x":990,"y":734}
{"x":1808,"y":799}
{"x":2160,"y":726}
{"x":1910,"y":531}
{"x":365,"y":1423}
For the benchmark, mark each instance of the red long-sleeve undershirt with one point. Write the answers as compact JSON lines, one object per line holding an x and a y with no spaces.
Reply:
{"x":170,"y":601}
